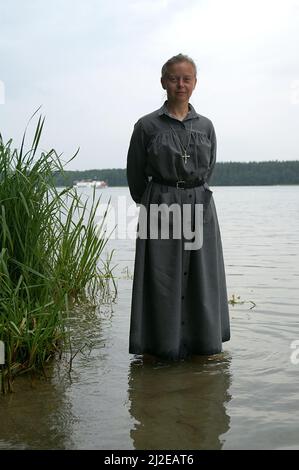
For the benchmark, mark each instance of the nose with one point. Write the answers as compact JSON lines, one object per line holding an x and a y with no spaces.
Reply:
{"x":180,"y":82}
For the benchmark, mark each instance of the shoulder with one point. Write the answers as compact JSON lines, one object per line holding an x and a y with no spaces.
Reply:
{"x":205,"y":125}
{"x":205,"y":122}
{"x":149,"y":123}
{"x":149,"y":118}
{"x":153,"y":115}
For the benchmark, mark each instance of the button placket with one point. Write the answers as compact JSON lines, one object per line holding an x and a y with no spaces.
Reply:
{"x":184,"y":278}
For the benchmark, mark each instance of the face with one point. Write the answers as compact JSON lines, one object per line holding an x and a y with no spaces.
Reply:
{"x":179,"y":82}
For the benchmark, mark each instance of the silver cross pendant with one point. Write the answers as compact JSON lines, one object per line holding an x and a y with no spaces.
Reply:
{"x":185,"y":157}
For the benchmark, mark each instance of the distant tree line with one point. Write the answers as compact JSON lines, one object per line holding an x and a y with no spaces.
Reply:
{"x":114,"y":177}
{"x":255,"y":173}
{"x":225,"y":174}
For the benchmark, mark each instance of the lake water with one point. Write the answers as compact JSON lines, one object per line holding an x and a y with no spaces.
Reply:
{"x":245,"y":398}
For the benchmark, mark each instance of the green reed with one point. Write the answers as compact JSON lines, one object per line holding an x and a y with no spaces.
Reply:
{"x":50,"y":249}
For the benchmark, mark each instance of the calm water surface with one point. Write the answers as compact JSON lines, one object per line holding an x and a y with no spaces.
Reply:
{"x":245,"y":398}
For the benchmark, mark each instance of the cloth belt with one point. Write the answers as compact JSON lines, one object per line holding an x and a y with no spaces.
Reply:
{"x":180,"y":184}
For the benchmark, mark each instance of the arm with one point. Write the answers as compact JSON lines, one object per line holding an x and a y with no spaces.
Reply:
{"x":136,"y":162}
{"x":213,"y":153}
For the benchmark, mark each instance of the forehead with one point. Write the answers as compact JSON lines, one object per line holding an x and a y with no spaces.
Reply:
{"x":184,"y":68}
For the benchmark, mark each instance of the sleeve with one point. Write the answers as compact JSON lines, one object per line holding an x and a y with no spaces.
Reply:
{"x":213,"y":154}
{"x":136,"y":163}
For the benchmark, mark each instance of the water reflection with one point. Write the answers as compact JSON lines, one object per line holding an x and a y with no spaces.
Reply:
{"x":37,"y":415}
{"x":181,"y":405}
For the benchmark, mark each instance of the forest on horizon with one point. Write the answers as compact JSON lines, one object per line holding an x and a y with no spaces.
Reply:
{"x":225,"y":174}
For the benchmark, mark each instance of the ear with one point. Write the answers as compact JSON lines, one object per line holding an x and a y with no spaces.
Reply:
{"x":163,"y":83}
{"x":195,"y":83}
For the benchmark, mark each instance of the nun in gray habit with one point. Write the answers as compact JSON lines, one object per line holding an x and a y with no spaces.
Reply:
{"x":179,"y":299}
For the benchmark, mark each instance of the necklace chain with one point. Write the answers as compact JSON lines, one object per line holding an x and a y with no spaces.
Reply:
{"x":185,"y":156}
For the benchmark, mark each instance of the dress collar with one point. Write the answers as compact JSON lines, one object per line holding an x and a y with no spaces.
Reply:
{"x":191,"y":113}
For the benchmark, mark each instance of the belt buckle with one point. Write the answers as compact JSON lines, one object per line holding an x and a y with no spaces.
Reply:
{"x":178,"y":184}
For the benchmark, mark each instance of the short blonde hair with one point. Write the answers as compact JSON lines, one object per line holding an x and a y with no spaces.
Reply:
{"x":174,"y":60}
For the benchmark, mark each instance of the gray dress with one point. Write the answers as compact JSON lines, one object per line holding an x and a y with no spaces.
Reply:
{"x":179,"y":299}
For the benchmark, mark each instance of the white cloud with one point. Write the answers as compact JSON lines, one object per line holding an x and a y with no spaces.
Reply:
{"x":92,"y":64}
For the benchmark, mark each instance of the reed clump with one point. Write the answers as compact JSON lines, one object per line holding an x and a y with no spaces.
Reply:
{"x":50,"y":249}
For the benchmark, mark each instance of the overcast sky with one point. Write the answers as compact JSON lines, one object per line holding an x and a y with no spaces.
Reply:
{"x":94,"y":66}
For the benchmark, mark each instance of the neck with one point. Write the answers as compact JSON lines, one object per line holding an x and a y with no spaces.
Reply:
{"x":179,"y":110}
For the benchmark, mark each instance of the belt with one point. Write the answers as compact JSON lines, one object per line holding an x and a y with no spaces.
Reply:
{"x":180,"y":184}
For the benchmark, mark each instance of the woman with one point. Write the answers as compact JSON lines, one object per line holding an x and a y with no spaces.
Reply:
{"x":179,"y":301}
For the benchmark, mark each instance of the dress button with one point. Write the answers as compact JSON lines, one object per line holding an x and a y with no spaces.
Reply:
{"x":183,"y":297}
{"x":191,"y":172}
{"x":185,"y":274}
{"x":183,"y":323}
{"x":190,"y":195}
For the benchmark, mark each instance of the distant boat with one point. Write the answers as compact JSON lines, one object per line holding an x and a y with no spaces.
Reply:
{"x":90,"y":184}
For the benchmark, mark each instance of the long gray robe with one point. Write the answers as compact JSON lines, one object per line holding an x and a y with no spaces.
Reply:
{"x":179,"y":299}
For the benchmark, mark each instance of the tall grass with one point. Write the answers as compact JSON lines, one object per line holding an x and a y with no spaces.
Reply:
{"x":50,"y":248}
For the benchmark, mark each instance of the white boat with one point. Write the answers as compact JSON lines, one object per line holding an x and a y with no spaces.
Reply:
{"x":90,"y":184}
